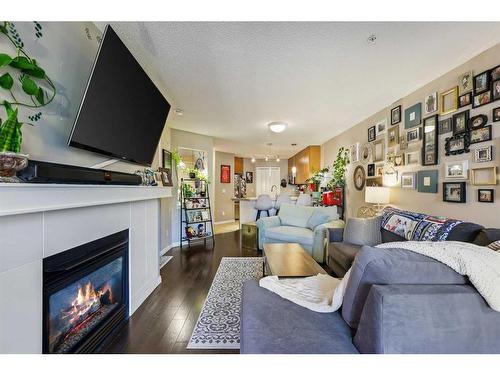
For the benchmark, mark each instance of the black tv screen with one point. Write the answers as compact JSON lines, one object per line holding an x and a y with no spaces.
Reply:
{"x":122,"y":114}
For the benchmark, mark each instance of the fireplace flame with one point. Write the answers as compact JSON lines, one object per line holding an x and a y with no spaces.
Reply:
{"x":87,"y":301}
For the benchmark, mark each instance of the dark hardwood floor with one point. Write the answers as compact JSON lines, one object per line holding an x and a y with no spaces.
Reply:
{"x":165,"y":321}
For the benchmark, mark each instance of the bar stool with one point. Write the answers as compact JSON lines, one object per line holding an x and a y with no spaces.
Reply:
{"x":263,"y":203}
{"x":282,"y":198}
{"x":304,"y":200}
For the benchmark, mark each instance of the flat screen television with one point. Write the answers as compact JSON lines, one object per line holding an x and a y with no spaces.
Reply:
{"x":122,"y":113}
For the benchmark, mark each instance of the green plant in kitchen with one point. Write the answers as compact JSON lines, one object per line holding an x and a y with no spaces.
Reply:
{"x":339,"y":168}
{"x":24,"y":84}
{"x":317,"y":178}
{"x":177,"y":158}
{"x":197,"y":174}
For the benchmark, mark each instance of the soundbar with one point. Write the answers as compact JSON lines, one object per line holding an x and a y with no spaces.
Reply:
{"x":42,"y":172}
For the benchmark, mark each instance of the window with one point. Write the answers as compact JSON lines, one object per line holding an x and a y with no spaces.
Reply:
{"x":266,"y":177}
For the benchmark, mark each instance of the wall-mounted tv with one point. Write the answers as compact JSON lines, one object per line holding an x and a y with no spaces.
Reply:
{"x":122,"y":113}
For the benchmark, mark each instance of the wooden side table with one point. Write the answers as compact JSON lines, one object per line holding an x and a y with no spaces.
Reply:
{"x":250,"y":236}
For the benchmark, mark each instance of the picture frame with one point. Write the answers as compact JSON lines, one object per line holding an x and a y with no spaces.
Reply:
{"x":372,"y":135}
{"x":399,"y":160}
{"x":359,"y":177}
{"x":427,"y":181}
{"x":249,"y":177}
{"x":457,"y":170}
{"x":393,"y":136}
{"x":396,"y":115}
{"x":445,"y":126}
{"x":354,"y":152}
{"x":465,"y":100}
{"x":465,"y":82}
{"x":486,"y":195}
{"x":448,"y":101}
{"x":413,"y":116}
{"x":166,"y":165}
{"x":484,"y":176}
{"x":476,"y":122}
{"x":225,"y":174}
{"x":379,"y":150}
{"x":430,"y":141}
{"x":403,"y":144}
{"x":495,"y":114}
{"x":412,"y":158}
{"x":457,"y":144}
{"x":414,"y":135}
{"x":165,"y":176}
{"x":431,"y":103}
{"x":483,"y":154}
{"x":483,"y":134}
{"x":366,"y":152}
{"x":454,"y":192}
{"x":370,"y":170}
{"x":409,"y":180}
{"x":380,"y":127}
{"x":495,"y":73}
{"x":481,"y":82}
{"x":495,"y":89}
{"x":379,"y":170}
{"x":460,"y":122}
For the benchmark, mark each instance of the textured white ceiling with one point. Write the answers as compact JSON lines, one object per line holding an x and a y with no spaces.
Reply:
{"x":232,"y":78}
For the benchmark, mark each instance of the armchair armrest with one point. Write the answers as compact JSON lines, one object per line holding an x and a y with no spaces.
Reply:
{"x":427,"y":319}
{"x":266,"y":222}
{"x":322,"y":236}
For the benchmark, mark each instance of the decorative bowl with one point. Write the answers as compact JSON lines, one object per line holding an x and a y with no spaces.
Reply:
{"x":10,"y":164}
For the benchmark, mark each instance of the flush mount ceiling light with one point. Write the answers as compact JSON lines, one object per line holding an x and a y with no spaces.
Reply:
{"x":179,"y":112}
{"x":277,"y":126}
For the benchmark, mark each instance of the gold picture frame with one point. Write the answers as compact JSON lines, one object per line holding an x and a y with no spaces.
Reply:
{"x":448,"y":101}
{"x":379,"y":150}
{"x":484,"y":176}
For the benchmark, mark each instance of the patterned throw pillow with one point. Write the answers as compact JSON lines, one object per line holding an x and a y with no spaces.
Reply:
{"x":495,"y":246}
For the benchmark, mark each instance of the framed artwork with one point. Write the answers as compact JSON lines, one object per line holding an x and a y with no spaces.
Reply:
{"x":480,"y":135}
{"x":249,"y":177}
{"x":465,"y":100}
{"x":225,"y":174}
{"x":403,"y":144}
{"x":495,"y":88}
{"x":482,"y":99}
{"x":460,"y":121}
{"x":431,"y":103}
{"x":449,"y":101}
{"x":166,"y":176}
{"x":430,"y":144}
{"x":495,"y":73}
{"x":379,"y":150}
{"x":458,"y":144}
{"x":413,"y":116}
{"x":483,"y":154}
{"x":379,"y":170}
{"x":496,"y":114}
{"x":427,"y":181}
{"x":457,"y":170}
{"x":454,"y":192}
{"x":359,"y":177}
{"x":366,"y":152}
{"x":484,"y":176}
{"x":414,"y":135}
{"x":166,"y":166}
{"x":412,"y":158}
{"x":482,"y":82}
{"x":396,"y":115}
{"x":371,"y":134}
{"x":486,"y":195}
{"x":399,"y":160}
{"x":465,"y":82}
{"x":354,"y":152}
{"x":380,"y":127}
{"x":409,"y":180}
{"x":445,"y":126}
{"x":371,"y":170}
{"x":393,"y":136}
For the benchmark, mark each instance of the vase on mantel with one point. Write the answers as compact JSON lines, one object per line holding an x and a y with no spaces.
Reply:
{"x":10,"y":164}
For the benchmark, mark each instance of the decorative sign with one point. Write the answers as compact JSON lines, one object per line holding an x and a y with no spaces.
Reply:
{"x":225,"y":174}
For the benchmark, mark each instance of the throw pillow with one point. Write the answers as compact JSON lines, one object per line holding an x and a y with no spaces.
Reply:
{"x":495,"y":246}
{"x":317,"y":218}
{"x":360,"y":231}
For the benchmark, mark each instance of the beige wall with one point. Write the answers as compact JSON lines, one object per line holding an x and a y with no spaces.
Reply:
{"x":224,"y":206}
{"x":484,"y":213}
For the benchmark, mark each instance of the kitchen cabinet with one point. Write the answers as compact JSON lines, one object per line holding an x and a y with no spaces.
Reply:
{"x":306,"y":161}
{"x":238,"y":165}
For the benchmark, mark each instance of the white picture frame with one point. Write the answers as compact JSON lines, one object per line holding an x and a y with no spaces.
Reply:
{"x":381,"y":127}
{"x":431,"y":103}
{"x":412,"y":157}
{"x":483,"y":154}
{"x":354,"y":152}
{"x":456,"y":170}
{"x":409,"y":180}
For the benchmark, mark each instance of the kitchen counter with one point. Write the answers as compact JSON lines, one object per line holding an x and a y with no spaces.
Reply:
{"x":255,"y":198}
{"x":248,"y":213}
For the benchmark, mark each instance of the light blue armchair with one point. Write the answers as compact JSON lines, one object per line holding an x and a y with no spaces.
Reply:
{"x":305,"y":225}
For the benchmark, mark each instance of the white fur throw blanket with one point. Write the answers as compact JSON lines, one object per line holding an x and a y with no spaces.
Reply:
{"x":480,"y":264}
{"x":320,"y":293}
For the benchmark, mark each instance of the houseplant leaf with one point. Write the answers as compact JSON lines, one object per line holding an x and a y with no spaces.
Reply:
{"x":6,"y":81}
{"x":35,"y":72}
{"x":21,"y":62}
{"x":10,"y":133}
{"x":4,"y":59}
{"x":40,"y":96}
{"x":29,"y":86}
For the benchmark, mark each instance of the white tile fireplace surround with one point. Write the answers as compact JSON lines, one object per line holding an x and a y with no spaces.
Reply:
{"x":37,"y":221}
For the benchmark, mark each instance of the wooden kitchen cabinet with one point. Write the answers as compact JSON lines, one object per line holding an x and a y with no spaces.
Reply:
{"x":306,"y":162}
{"x":238,"y":165}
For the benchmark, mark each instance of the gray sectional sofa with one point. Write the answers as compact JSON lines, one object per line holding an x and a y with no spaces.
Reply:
{"x":396,"y":301}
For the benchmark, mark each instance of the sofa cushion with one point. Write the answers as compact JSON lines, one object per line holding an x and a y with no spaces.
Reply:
{"x":291,"y":234}
{"x":343,"y":253}
{"x":361,"y":231}
{"x":486,"y":236}
{"x":390,"y":266}
{"x":273,"y":325}
{"x":390,"y":237}
{"x":465,"y":232}
{"x":317,"y":218}
{"x":295,"y":216}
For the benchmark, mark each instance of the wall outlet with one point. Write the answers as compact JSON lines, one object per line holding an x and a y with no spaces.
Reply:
{"x":223,"y":191}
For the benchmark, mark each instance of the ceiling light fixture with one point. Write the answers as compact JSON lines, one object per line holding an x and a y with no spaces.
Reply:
{"x":253,"y":160}
{"x":267,"y":158}
{"x":277,"y":126}
{"x":278,"y":159}
{"x":179,"y":112}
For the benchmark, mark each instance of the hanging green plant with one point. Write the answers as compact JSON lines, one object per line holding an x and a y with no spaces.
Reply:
{"x":37,"y":88}
{"x":339,"y":168}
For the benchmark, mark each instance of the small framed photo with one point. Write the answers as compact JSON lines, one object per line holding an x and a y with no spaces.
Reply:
{"x":482,"y":99}
{"x":430,"y":141}
{"x":249,"y":177}
{"x":393,"y":136}
{"x":460,"y":121}
{"x":414,"y":135}
{"x":458,"y":144}
{"x":431,"y":103}
{"x":379,"y":170}
{"x":399,"y":160}
{"x":396,"y":115}
{"x":413,"y":116}
{"x":446,"y":126}
{"x":409,"y":180}
{"x":371,"y":170}
{"x":412,"y":158}
{"x":486,"y":195}
{"x":483,"y":154}
{"x":403,"y":144}
{"x":476,"y":122}
{"x":354,"y":152}
{"x":465,"y":82}
{"x":454,"y":192}
{"x":449,"y":101}
{"x":380,"y":127}
{"x":371,"y":134}
{"x":495,"y":88}
{"x":496,"y":114}
{"x":366,"y":152}
{"x":457,"y":170}
{"x":482,"y":82}
{"x":379,"y":150}
{"x":484,"y":176}
{"x":495,"y":73}
{"x":465,"y":100}
{"x":166,"y":176}
{"x":480,"y":135}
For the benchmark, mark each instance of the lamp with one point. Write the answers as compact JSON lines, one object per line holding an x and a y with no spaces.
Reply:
{"x":277,"y":126}
{"x":378,"y":195}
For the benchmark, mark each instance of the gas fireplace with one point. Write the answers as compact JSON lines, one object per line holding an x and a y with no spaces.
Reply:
{"x":85,"y":295}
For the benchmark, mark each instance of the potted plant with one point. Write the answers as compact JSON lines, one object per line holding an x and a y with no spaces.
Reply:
{"x":27,"y":86}
{"x":337,"y":182}
{"x":315,"y":181}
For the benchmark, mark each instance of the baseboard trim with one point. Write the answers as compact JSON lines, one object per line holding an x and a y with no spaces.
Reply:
{"x":168,"y":248}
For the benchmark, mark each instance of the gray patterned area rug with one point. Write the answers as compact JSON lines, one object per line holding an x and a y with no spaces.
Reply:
{"x":218,"y":326}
